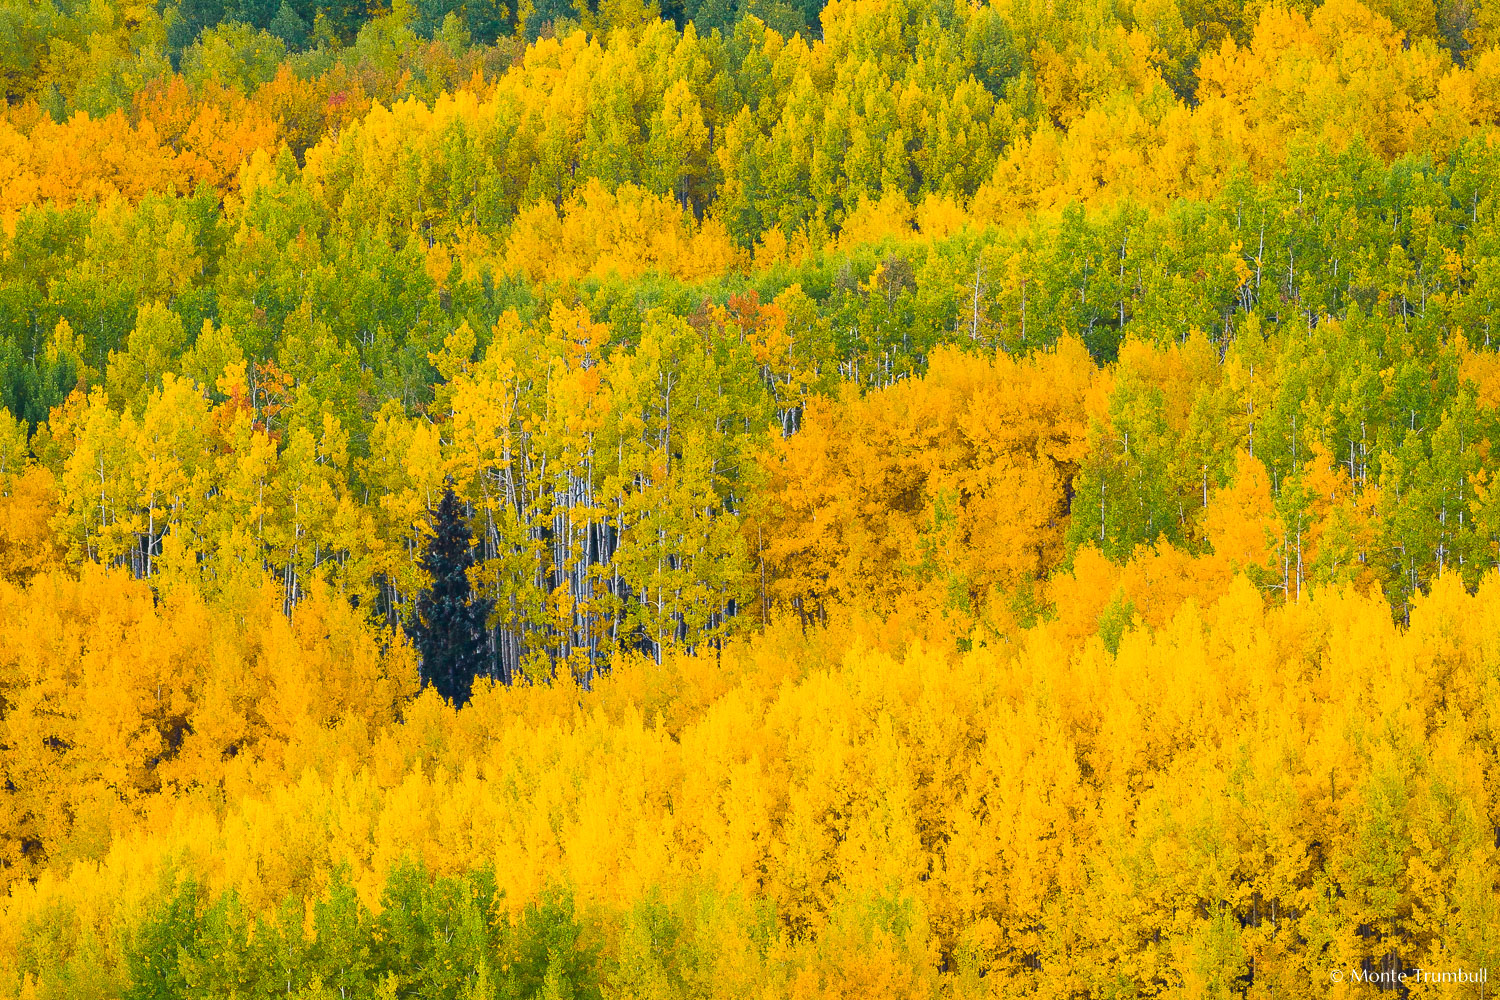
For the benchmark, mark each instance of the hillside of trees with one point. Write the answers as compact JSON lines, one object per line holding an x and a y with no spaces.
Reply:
{"x":686,"y":500}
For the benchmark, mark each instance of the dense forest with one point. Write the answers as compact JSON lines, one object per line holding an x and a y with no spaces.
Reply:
{"x":950,"y":499}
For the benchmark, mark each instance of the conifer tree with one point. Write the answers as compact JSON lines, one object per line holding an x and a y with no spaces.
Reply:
{"x":450,"y":628}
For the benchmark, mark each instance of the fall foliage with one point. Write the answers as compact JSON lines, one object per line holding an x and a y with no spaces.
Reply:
{"x":940,"y":499}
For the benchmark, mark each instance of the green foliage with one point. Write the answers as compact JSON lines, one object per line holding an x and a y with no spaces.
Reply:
{"x":432,"y":937}
{"x":154,"y":952}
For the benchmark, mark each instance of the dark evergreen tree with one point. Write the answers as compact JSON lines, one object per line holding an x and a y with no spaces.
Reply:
{"x":451,"y":622}
{"x":288,"y":27}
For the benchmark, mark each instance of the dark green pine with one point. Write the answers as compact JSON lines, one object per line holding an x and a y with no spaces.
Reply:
{"x":451,"y":629}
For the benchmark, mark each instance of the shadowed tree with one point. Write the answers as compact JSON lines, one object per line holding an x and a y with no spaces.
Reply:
{"x":450,"y":629}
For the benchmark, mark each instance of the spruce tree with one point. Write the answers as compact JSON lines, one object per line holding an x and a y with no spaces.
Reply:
{"x":451,"y":622}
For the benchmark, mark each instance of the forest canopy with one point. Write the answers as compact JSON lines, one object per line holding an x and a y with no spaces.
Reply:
{"x":941,"y":499}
